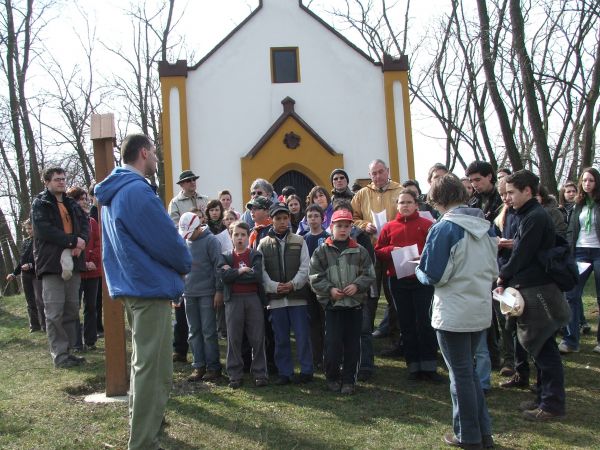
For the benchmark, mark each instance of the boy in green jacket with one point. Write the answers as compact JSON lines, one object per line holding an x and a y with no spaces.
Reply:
{"x":341,"y":272}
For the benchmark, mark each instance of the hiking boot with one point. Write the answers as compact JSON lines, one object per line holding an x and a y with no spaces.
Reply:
{"x":261,"y":382}
{"x":303,"y":378}
{"x":516,"y":381}
{"x":79,"y":359}
{"x":527,"y":405}
{"x":282,"y":380}
{"x":451,"y":440}
{"x":432,"y":376}
{"x":507,"y":371}
{"x":334,"y":386}
{"x":487,"y":441}
{"x":564,"y":349}
{"x":178,"y":357}
{"x":539,"y":415}
{"x":211,"y":375}
{"x":235,"y":384}
{"x":347,"y":389}
{"x":197,"y":375}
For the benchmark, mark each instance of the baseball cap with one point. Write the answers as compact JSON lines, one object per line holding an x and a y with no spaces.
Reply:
{"x":259,"y":202}
{"x":277,"y":208}
{"x":341,"y":215}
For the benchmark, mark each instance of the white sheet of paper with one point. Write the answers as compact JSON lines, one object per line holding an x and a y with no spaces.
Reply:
{"x":379,"y":220}
{"x":582,"y":266}
{"x":506,"y":298}
{"x":426,"y":215}
{"x":402,"y":260}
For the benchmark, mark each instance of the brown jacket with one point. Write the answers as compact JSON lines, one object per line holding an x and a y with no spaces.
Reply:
{"x":370,"y":199}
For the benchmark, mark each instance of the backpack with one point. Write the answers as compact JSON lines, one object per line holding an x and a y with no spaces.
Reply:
{"x":559,"y":264}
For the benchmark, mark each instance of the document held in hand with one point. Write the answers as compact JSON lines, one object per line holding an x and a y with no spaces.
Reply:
{"x":402,"y":257}
{"x":379,"y":220}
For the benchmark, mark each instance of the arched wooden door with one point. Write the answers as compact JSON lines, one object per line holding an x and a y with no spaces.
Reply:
{"x":301,"y":182}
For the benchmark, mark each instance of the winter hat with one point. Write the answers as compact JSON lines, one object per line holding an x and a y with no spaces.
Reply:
{"x":188,"y":224}
{"x":342,"y":171}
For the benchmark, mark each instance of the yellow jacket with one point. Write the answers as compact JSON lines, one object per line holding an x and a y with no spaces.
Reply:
{"x":371,"y":199}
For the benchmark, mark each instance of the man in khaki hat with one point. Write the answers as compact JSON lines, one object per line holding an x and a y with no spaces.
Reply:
{"x":188,"y":198}
{"x":185,"y":201}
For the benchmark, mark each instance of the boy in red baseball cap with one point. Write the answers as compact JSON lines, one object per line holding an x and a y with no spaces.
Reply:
{"x":341,"y":272}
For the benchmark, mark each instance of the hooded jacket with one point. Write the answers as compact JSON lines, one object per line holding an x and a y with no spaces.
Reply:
{"x":372,"y":199}
{"x":459,"y":259}
{"x":144,"y":256}
{"x":49,"y":237}
{"x":202,"y":280}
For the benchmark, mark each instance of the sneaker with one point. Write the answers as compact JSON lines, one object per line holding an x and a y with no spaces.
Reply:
{"x":334,"y":386}
{"x":303,"y":378}
{"x":282,"y":380}
{"x":596,"y":349}
{"x":527,"y":405}
{"x":235,"y":384}
{"x":507,"y":371}
{"x":79,"y":359}
{"x":67,"y":363}
{"x":261,"y":382}
{"x":516,"y":381}
{"x":178,"y":357}
{"x":347,"y":389}
{"x":211,"y":375}
{"x":197,"y":375}
{"x":585,"y":328}
{"x":451,"y":440}
{"x":564,"y":349}
{"x":432,"y":376}
{"x":539,"y":415}
{"x":364,"y":375}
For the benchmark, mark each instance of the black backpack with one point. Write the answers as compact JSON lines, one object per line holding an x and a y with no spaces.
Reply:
{"x":558,"y":262}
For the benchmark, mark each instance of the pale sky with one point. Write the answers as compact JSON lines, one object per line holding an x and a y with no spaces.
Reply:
{"x":203,"y":25}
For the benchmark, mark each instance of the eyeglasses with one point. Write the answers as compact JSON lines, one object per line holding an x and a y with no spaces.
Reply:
{"x":257,"y":193}
{"x":59,"y":180}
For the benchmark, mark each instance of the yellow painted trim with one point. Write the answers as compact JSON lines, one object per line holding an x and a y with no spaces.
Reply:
{"x":274,"y":159}
{"x":166,"y":84}
{"x":388,"y":80}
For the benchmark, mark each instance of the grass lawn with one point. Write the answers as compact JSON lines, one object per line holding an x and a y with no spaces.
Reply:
{"x":43,"y":408}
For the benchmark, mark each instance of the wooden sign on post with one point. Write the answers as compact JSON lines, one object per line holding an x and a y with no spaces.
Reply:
{"x":103,"y":135}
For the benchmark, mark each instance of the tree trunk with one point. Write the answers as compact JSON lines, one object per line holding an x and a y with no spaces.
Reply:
{"x":587,"y":151}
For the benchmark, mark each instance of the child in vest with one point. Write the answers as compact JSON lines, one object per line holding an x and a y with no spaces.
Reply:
{"x":285,"y":277}
{"x":341,"y":273}
{"x":201,"y":298}
{"x":314,"y":238}
{"x":240,"y":273}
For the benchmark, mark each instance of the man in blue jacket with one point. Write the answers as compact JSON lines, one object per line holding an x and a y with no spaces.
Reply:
{"x":144,"y":259}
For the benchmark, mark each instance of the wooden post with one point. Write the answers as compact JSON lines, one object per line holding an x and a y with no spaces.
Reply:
{"x":102,"y":131}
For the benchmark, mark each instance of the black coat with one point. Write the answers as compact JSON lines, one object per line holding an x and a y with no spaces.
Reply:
{"x":26,"y":257}
{"x":489,"y":203}
{"x":535,"y":233}
{"x":49,"y":236}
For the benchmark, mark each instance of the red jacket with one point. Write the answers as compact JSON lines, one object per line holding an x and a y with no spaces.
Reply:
{"x":93,"y":251}
{"x":401,"y":232}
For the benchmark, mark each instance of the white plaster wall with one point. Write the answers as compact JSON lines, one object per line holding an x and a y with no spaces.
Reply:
{"x":232,"y":102}
{"x":175,"y":127}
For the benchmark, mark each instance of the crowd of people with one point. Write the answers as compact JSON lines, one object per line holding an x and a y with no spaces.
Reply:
{"x":316,"y":268}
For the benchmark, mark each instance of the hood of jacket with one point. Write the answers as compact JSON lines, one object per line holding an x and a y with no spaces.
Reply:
{"x":119,"y":177}
{"x":470,"y":219}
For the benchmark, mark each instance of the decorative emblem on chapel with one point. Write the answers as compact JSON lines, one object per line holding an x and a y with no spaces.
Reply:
{"x":291,"y":140}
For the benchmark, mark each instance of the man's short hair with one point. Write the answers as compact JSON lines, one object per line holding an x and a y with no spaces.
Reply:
{"x":48,"y":173}
{"x":223,"y":192}
{"x":343,"y":203}
{"x":434,"y":168}
{"x":288,"y":190}
{"x":483,"y":168}
{"x":414,"y":183}
{"x":377,"y":161}
{"x":131,"y":146}
{"x":524,"y":178}
{"x":317,"y":208}
{"x":262,"y":184}
{"x":447,"y":190}
{"x":505,"y":170}
{"x":240,"y":224}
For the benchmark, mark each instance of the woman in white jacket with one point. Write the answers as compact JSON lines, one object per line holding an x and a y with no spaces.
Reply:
{"x":459,"y":259}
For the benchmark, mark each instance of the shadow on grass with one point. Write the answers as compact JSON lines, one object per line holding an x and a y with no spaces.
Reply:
{"x":8,"y":320}
{"x":89,"y":386}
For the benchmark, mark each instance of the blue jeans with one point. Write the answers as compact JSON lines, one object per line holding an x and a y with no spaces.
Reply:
{"x":296,"y":318}
{"x":470,"y":418}
{"x":483,"y":363}
{"x":202,"y":323}
{"x":592,"y":256}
